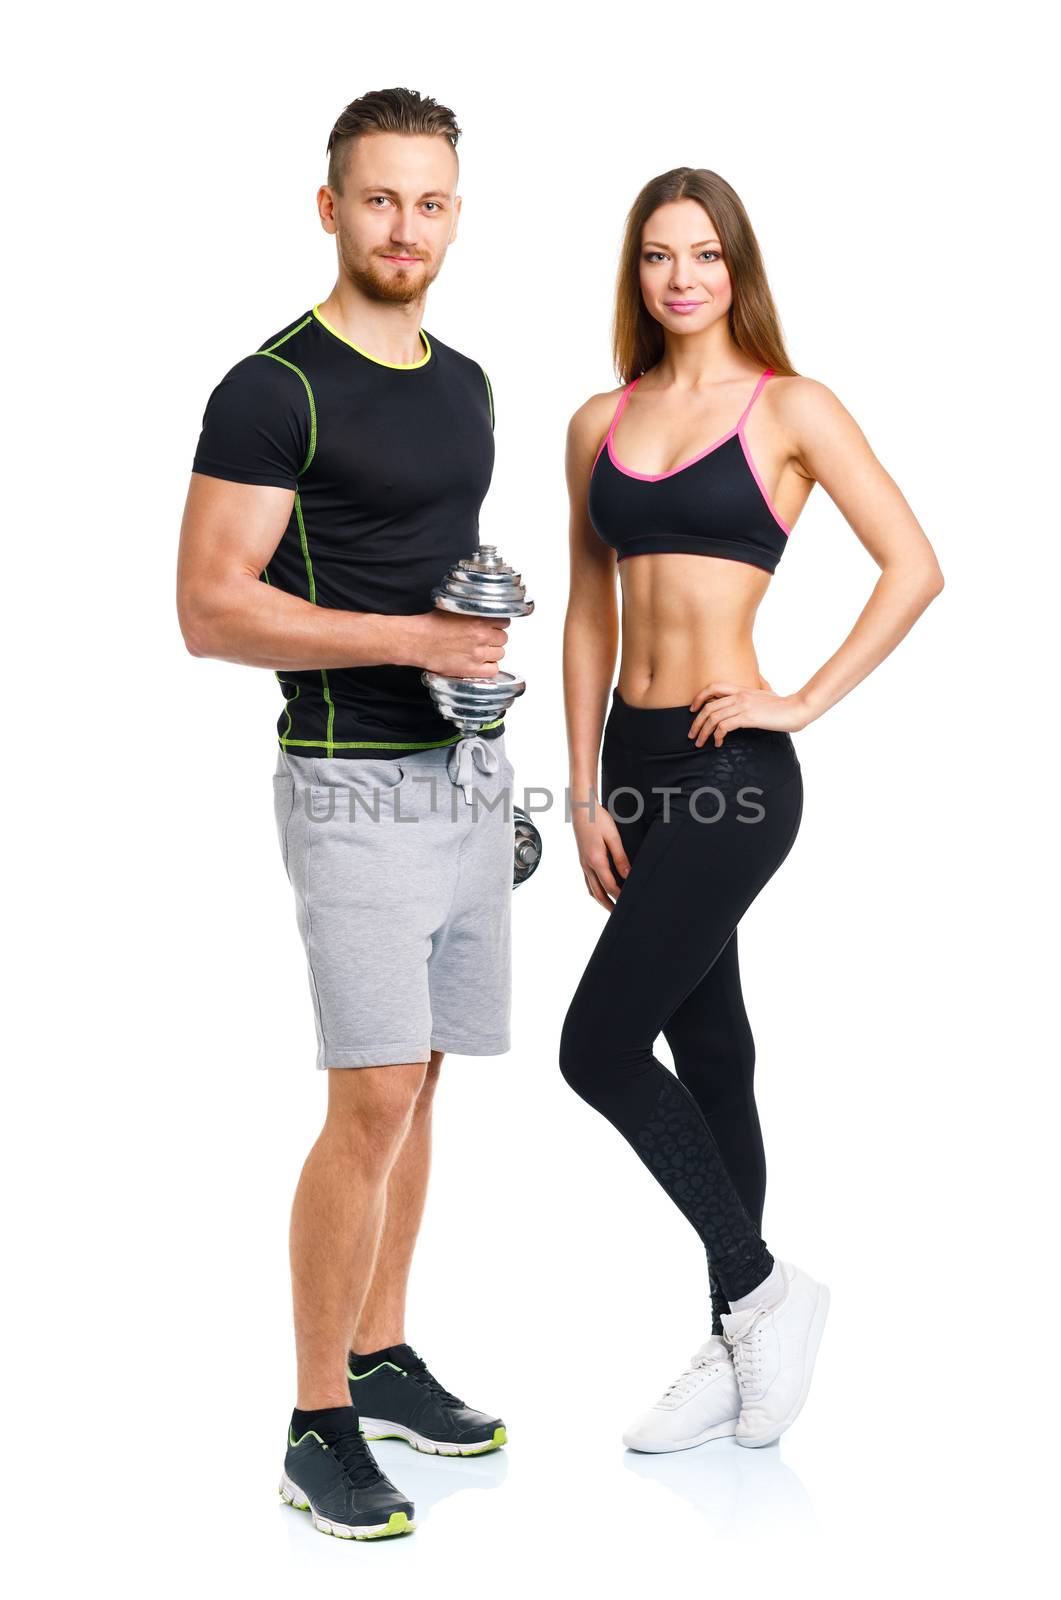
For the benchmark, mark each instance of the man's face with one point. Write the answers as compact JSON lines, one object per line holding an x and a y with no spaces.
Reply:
{"x":397,"y":214}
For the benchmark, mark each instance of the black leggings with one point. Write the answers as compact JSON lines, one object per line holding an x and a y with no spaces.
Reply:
{"x":666,"y":962}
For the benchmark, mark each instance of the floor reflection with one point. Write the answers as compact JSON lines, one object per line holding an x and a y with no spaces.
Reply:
{"x":736,"y":1490}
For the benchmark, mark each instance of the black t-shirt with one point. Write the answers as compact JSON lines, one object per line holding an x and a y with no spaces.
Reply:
{"x":390,"y":465}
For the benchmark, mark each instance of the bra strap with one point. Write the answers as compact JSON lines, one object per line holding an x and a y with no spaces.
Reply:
{"x":623,"y":398}
{"x":755,"y":395}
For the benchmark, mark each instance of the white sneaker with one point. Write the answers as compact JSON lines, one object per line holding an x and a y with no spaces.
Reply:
{"x":704,"y":1403}
{"x":773,"y":1356}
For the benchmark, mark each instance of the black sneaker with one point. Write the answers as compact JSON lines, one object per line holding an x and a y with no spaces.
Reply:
{"x":331,"y":1473}
{"x":398,"y":1398}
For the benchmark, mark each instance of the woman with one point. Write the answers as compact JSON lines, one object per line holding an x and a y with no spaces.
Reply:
{"x":701,"y":795}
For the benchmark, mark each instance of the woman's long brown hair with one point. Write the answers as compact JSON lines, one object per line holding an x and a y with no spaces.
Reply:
{"x":637,"y":338}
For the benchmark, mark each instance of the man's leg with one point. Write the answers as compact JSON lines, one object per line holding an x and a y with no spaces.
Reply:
{"x":381,"y":1322}
{"x":395,"y":1393}
{"x":338,"y":1214}
{"x":469,"y":982}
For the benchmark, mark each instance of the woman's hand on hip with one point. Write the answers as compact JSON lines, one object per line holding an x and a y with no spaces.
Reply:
{"x":722,"y":707}
{"x":597,"y":838}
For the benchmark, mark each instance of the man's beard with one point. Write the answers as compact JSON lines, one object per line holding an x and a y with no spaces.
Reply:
{"x":384,"y":283}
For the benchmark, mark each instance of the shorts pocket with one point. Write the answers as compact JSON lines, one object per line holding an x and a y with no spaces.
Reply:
{"x":283,"y":806}
{"x":349,"y":790}
{"x":365,"y":776}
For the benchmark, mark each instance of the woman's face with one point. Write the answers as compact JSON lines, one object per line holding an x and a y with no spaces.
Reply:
{"x":684,"y":280}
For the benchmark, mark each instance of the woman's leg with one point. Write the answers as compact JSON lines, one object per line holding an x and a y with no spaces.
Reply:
{"x":689,"y":885}
{"x":714,"y":1056}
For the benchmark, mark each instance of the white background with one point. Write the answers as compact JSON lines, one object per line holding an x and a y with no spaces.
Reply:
{"x":160,"y":1081}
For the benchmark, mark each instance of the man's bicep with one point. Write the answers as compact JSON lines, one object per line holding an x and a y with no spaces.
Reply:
{"x":229,"y":531}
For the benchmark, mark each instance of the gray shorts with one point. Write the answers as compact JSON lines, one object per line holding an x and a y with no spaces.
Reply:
{"x":402,"y":875}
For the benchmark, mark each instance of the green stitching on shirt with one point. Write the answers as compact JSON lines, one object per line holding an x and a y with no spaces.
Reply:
{"x":312,"y":405}
{"x":308,"y":318}
{"x":329,"y":743}
{"x":304,"y":541}
{"x":331,"y":710}
{"x":287,"y":706}
{"x":381,"y":744}
{"x":395,"y":366}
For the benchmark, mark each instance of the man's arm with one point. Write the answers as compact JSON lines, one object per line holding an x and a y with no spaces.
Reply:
{"x":229,"y":534}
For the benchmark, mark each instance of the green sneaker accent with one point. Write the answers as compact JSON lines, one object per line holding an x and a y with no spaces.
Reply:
{"x":500,"y":1438}
{"x":355,"y":1377}
{"x":399,"y":1523}
{"x":309,"y":1434}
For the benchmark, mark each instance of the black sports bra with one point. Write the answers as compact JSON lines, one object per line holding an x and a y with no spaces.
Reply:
{"x":714,"y":505}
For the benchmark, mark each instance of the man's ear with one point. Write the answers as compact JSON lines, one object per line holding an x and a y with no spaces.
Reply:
{"x":326,"y":208}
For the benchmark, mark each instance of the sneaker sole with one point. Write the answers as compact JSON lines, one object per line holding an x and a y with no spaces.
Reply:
{"x":376,"y":1428}
{"x":398,"y":1522}
{"x":720,"y":1430}
{"x":814,"y":1339}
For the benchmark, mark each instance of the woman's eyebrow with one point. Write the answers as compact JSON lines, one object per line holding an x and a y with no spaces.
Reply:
{"x":699,"y":244}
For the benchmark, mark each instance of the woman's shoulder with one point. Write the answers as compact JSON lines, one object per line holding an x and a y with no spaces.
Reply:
{"x":811,"y":417}
{"x":799,"y":397}
{"x":594,"y":415}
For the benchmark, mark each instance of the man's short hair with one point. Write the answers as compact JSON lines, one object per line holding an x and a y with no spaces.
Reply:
{"x":386,"y":111}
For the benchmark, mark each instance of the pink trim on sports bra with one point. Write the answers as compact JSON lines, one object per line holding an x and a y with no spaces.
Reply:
{"x":754,"y":470}
{"x":616,"y":414}
{"x":658,"y":477}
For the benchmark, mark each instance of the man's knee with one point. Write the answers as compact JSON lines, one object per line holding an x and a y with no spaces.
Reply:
{"x":430,"y":1083}
{"x":370,"y":1108}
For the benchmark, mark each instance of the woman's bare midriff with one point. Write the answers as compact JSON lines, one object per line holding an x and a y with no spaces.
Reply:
{"x":686,"y":622}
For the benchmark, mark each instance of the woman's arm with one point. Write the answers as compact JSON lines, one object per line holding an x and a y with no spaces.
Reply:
{"x":591,"y":637}
{"x":831,"y":448}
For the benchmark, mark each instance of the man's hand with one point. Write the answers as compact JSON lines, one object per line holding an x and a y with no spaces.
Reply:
{"x":456,"y":645}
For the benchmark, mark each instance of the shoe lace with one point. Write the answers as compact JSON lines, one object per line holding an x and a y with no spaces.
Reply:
{"x":689,"y":1380}
{"x":746,"y":1345}
{"x":356,"y":1462}
{"x":418,"y":1371}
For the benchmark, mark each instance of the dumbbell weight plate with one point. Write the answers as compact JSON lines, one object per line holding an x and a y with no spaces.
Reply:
{"x":528,"y":846}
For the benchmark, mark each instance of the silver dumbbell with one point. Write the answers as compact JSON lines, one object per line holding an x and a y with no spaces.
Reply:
{"x":481,"y":585}
{"x":528,"y":846}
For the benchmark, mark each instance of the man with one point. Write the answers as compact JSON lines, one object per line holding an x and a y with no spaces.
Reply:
{"x":339,"y":474}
